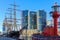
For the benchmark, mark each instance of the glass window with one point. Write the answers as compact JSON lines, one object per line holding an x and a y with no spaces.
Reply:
{"x":40,"y":21}
{"x":40,"y":27}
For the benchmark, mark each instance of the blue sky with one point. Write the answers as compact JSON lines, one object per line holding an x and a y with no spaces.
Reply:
{"x":26,"y":5}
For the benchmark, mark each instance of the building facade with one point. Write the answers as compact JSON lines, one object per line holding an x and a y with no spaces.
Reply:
{"x":25,"y":19}
{"x":41,"y":19}
{"x":29,"y":19}
{"x":34,"y":19}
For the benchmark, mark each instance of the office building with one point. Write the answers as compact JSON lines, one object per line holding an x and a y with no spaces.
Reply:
{"x":34,"y":19}
{"x":41,"y":20}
